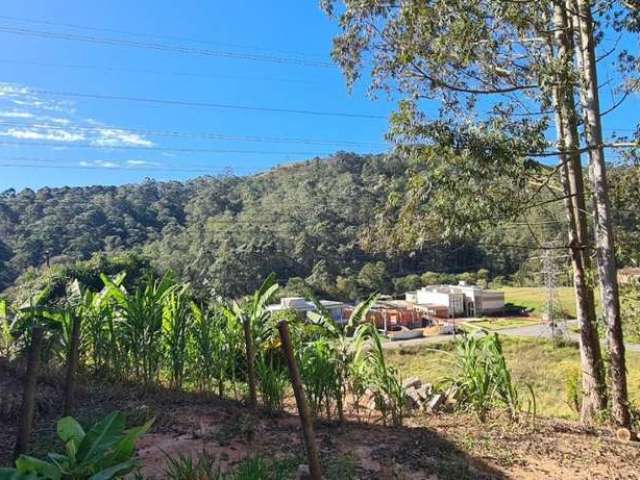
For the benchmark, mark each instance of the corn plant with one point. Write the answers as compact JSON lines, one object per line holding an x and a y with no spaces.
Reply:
{"x":216,"y":348}
{"x":105,"y":452}
{"x":7,"y":326}
{"x":259,"y":334}
{"x":100,"y":338}
{"x":382,"y":379}
{"x":319,"y":374}
{"x":272,"y":381}
{"x":176,"y":325}
{"x":341,"y":345}
{"x":139,"y":324}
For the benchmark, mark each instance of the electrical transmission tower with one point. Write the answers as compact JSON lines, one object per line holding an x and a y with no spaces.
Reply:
{"x":553,"y":314}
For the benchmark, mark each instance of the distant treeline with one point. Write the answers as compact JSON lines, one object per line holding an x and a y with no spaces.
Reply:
{"x":224,"y":235}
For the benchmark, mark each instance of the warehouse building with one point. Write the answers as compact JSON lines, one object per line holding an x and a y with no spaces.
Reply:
{"x":460,"y":300}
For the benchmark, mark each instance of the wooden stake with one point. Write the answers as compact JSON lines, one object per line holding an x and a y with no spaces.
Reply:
{"x":72,"y":366}
{"x":29,"y":393}
{"x":301,"y":401}
{"x":251,"y":366}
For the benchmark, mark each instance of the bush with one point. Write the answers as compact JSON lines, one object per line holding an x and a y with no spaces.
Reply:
{"x":104,"y":452}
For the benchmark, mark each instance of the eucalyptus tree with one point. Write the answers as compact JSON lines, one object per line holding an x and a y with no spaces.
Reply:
{"x":588,"y":33}
{"x":495,"y":73}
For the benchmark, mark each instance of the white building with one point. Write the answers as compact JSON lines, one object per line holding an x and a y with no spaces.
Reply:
{"x":302,"y":306}
{"x":460,"y":300}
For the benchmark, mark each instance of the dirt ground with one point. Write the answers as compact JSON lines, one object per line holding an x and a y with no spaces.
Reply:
{"x":445,"y":446}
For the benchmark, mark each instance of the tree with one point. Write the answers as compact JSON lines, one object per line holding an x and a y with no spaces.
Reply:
{"x":455,"y":53}
{"x":586,"y":37}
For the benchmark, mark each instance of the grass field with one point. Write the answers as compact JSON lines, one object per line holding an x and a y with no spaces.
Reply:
{"x":536,"y":362}
{"x":500,"y":323}
{"x":533,"y":298}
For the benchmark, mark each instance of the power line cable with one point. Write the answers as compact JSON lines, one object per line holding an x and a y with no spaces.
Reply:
{"x":106,"y":68}
{"x":119,"y":42}
{"x":182,"y":134}
{"x":155,"y":35}
{"x":187,"y":103}
{"x":161,"y":149}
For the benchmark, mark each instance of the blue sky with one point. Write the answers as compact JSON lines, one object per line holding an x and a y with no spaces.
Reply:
{"x":284,"y":32}
{"x":243,"y":53}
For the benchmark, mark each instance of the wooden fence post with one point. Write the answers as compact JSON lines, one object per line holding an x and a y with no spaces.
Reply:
{"x":29,"y":392}
{"x":72,"y":366}
{"x":301,"y":401}
{"x":251,"y":366}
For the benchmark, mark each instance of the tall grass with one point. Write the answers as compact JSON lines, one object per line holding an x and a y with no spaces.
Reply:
{"x":483,"y":381}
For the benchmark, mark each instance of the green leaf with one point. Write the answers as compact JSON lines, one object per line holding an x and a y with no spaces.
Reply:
{"x":104,"y":435}
{"x":70,"y":430}
{"x":117,"y":470}
{"x":13,"y":474}
{"x":125,"y":447}
{"x":27,"y":464}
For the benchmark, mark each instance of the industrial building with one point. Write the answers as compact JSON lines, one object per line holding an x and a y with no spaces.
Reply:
{"x":460,"y":300}
{"x":301,"y":306}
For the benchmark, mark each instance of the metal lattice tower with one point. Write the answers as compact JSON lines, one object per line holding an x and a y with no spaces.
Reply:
{"x":553,"y":309}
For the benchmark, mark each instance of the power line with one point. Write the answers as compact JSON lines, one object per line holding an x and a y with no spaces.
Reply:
{"x":182,"y":134}
{"x":152,"y":35}
{"x":36,"y":166}
{"x":158,"y":72}
{"x":187,"y":103}
{"x":161,"y":149}
{"x":119,"y":42}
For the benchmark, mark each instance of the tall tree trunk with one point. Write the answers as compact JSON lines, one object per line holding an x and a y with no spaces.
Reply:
{"x":586,"y":61}
{"x":593,"y":383}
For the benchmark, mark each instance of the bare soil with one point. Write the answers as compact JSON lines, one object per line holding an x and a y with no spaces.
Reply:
{"x":444,"y":446}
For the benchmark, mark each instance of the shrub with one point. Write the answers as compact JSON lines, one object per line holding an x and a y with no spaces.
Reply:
{"x":104,"y":452}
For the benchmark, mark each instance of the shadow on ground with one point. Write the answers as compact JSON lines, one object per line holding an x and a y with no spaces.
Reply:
{"x":192,"y":424}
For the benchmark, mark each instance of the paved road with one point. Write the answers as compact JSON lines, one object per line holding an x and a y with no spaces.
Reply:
{"x":536,"y":331}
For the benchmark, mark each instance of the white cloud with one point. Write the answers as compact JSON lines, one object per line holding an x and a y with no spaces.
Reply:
{"x":16,"y":114}
{"x":99,"y":163}
{"x":21,"y":102}
{"x":139,"y":163}
{"x":43,"y":134}
{"x":110,"y":137}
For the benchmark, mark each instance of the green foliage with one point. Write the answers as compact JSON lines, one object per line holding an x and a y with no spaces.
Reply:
{"x":272,"y":381}
{"x":309,"y":221}
{"x":140,"y":322}
{"x":483,"y":380}
{"x":187,"y":467}
{"x":573,"y":388}
{"x":176,"y":325}
{"x":382,"y":379}
{"x":106,"y":451}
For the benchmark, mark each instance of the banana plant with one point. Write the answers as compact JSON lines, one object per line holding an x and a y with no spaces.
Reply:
{"x":104,"y":452}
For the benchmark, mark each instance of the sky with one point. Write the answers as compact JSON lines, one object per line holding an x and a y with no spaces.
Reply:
{"x":113,"y":92}
{"x":247,"y":60}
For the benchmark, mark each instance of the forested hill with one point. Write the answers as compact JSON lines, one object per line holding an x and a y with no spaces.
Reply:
{"x":225,"y":234}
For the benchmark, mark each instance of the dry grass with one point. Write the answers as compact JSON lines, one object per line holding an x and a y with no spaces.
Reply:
{"x":533,"y":298}
{"x":536,"y":362}
{"x":500,"y":323}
